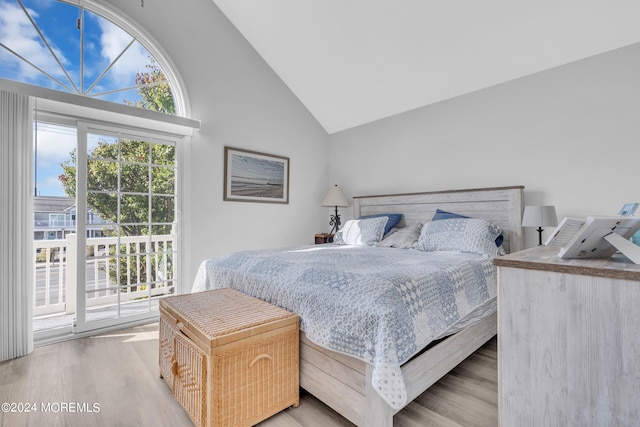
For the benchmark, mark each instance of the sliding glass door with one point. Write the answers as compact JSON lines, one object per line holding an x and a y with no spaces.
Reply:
{"x":54,"y":224}
{"x":105,"y":237}
{"x":127,"y":181}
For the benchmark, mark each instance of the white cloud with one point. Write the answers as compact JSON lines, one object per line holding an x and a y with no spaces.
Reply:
{"x":54,"y":144}
{"x":114,"y":40}
{"x":17,"y":33}
{"x":51,"y":182}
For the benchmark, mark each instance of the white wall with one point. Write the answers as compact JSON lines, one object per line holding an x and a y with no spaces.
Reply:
{"x":241,"y":103}
{"x":570,"y":135}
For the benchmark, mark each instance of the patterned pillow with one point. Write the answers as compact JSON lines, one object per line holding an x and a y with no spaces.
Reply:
{"x":361,"y":232}
{"x":440,"y":215}
{"x":460,"y":235}
{"x":394,"y":219}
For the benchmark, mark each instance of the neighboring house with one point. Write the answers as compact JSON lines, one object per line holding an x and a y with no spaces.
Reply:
{"x":55,"y":217}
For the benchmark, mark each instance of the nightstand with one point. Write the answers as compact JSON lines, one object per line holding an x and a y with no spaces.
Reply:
{"x":324,"y":238}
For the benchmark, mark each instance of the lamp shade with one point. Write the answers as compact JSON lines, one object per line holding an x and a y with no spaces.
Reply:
{"x":539,"y":216}
{"x":335,"y":197}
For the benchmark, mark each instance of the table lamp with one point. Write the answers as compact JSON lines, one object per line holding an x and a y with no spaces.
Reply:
{"x":539,"y":216}
{"x":335,"y":198}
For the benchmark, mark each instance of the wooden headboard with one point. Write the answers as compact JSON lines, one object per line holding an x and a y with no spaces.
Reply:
{"x":502,"y":206}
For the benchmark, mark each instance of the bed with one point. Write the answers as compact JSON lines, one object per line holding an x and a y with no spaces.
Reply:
{"x":367,"y":353}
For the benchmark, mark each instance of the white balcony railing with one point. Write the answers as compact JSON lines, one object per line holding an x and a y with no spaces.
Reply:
{"x":68,"y":222}
{"x":144,"y":267}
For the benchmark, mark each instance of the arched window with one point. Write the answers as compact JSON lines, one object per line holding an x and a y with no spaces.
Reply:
{"x":83,"y":48}
{"x":123,"y":237}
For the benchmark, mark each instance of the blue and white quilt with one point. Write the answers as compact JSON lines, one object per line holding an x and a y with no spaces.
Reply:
{"x":381,"y":305}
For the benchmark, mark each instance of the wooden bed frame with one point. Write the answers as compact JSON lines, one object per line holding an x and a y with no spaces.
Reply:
{"x":344,"y":382}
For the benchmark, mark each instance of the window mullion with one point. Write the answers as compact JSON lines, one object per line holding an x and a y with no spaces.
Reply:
{"x":81,"y":224}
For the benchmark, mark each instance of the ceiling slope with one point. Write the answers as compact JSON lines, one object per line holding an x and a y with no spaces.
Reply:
{"x":351,"y":62}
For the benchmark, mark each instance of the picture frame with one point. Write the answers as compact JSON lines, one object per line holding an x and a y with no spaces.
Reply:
{"x":628,"y":209}
{"x":252,"y":176}
{"x":593,"y":239}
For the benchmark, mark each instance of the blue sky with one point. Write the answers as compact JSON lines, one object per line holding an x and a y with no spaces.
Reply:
{"x":54,"y":144}
{"x":104,"y":42}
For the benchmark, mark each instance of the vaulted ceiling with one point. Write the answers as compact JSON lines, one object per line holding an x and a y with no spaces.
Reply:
{"x":351,"y":62}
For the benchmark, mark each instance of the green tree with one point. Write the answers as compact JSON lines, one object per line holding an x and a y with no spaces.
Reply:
{"x":131,"y":166}
{"x":105,"y":176}
{"x":154,"y":90}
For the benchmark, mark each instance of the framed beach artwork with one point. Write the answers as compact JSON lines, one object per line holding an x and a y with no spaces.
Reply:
{"x":250,"y":176}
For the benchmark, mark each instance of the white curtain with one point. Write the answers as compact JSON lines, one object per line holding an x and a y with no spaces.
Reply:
{"x":16,"y":225}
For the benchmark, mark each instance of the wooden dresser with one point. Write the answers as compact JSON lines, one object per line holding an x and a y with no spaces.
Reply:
{"x":568,"y":340}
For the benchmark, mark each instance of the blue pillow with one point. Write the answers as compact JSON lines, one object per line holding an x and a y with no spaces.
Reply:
{"x":393,"y":220}
{"x":440,"y":214}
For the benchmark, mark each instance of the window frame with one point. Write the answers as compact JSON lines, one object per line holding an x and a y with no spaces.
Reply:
{"x":136,"y":32}
{"x":80,"y":329}
{"x":84,"y":128}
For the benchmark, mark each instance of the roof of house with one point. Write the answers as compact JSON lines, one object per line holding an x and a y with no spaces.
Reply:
{"x":53,"y":204}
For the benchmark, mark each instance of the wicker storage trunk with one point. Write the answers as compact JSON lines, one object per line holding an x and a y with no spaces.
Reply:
{"x":230,"y":359}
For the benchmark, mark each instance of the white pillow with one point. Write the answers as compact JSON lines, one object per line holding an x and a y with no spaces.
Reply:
{"x":361,"y":232}
{"x":404,"y":238}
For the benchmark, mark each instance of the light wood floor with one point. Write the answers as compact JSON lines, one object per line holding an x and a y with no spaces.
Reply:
{"x":116,"y":376}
